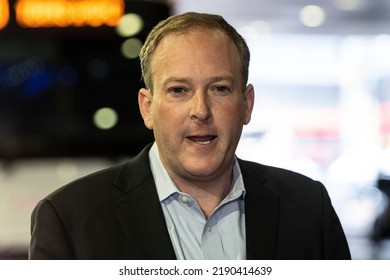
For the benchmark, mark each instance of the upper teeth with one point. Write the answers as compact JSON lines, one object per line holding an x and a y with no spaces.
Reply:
{"x":203,"y":142}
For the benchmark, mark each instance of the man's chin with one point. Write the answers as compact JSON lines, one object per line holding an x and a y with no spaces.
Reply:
{"x":203,"y":170}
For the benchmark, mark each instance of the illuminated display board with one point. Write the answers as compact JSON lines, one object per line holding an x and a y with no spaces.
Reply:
{"x":63,"y":13}
{"x":4,"y":13}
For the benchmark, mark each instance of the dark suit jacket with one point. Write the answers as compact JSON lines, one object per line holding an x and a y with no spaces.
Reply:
{"x":116,"y":214}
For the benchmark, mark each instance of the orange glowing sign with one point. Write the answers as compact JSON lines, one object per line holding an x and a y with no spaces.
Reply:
{"x":64,"y":13}
{"x":4,"y":13}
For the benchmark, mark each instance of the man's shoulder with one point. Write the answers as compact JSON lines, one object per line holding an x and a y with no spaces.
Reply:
{"x":279,"y":179}
{"x":95,"y":184}
{"x":101,"y":182}
{"x":255,"y":168}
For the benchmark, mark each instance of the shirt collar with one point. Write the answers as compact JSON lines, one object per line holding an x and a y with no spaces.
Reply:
{"x":166,"y":187}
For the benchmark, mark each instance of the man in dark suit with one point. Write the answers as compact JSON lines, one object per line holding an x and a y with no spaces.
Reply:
{"x":187,"y":196}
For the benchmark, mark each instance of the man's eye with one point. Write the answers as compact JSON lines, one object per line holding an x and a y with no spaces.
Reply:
{"x":221,"y":89}
{"x":176,"y":90}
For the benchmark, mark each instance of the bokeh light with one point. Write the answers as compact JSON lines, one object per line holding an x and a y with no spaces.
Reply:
{"x":105,"y":118}
{"x":349,"y":5}
{"x":130,"y":25}
{"x":312,"y":16}
{"x":131,"y":48}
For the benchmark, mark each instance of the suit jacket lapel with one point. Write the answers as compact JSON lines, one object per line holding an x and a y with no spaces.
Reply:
{"x":261,"y":214}
{"x":138,"y":208}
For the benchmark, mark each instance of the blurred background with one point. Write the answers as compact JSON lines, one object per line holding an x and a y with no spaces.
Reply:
{"x":69,"y":78}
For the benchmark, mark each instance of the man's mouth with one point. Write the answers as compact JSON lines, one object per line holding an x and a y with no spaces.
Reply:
{"x":202,"y":140}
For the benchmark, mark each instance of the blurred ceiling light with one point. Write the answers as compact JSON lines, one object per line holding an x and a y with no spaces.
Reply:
{"x":349,"y":5}
{"x":4,"y":13}
{"x":312,"y":16}
{"x":131,"y":48}
{"x":130,"y":25}
{"x":64,"y":13}
{"x":105,"y":118}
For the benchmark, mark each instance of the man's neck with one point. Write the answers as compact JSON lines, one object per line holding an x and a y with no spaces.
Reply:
{"x":208,"y":194}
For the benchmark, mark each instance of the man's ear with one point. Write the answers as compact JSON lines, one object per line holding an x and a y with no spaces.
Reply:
{"x":249,"y":101}
{"x":145,"y":100}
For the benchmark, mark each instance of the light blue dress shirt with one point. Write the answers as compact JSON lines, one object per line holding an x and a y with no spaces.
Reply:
{"x":222,"y":236}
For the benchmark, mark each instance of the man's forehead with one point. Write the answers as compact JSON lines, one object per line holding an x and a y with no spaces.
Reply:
{"x":193,"y":34}
{"x":196,"y":47}
{"x":196,"y":42}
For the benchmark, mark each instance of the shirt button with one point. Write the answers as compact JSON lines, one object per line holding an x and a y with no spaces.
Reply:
{"x":184,"y":199}
{"x":208,"y":229}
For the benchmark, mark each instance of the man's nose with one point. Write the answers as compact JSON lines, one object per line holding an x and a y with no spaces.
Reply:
{"x":200,"y":106}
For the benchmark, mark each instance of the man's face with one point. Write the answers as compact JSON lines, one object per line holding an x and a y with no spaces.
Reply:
{"x":198,"y":107}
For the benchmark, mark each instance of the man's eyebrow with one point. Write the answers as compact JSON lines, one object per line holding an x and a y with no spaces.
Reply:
{"x":177,"y":80}
{"x":221,"y":78}
{"x":188,"y":80}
